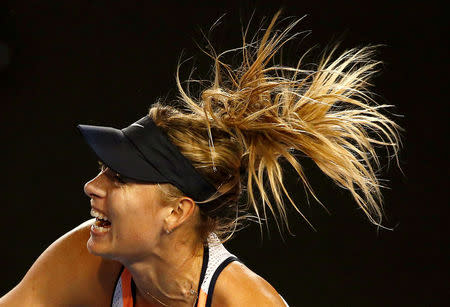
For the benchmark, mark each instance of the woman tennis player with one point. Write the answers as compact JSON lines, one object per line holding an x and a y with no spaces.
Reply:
{"x":167,"y":194}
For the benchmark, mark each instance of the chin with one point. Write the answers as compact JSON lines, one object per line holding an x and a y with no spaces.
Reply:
{"x":95,"y":249}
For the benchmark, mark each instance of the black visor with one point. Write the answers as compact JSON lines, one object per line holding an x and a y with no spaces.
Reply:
{"x":142,"y":151}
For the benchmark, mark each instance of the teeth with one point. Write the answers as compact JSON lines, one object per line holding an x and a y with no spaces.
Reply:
{"x":95,"y":213}
{"x":100,"y":229}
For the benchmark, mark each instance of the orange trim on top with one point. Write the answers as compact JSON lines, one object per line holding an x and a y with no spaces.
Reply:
{"x":202,"y":299}
{"x":127,"y":296}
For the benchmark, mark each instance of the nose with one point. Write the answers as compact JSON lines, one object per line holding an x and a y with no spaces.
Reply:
{"x":95,"y":187}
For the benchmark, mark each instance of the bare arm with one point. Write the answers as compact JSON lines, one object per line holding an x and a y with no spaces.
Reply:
{"x":65,"y":274}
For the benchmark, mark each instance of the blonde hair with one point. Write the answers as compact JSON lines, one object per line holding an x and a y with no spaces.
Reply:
{"x":255,"y":114}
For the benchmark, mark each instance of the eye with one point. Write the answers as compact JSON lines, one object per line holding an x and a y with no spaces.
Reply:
{"x":118,"y":177}
{"x":110,"y":173}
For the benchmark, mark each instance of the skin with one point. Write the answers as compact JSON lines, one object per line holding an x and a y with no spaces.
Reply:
{"x":157,"y":242}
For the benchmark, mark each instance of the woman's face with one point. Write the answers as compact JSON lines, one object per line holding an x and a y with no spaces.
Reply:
{"x":135,"y":212}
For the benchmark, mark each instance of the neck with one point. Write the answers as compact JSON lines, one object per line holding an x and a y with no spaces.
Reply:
{"x":170,"y":275}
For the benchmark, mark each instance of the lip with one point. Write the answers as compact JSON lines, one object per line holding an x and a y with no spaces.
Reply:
{"x":97,"y":209}
{"x":97,"y":233}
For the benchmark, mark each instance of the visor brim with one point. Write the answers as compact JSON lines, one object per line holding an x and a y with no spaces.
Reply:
{"x":116,"y":151}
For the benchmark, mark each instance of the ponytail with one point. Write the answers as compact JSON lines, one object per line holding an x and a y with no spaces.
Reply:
{"x":273,"y":111}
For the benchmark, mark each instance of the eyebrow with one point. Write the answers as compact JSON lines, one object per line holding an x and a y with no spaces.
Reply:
{"x":102,"y":165}
{"x":104,"y":168}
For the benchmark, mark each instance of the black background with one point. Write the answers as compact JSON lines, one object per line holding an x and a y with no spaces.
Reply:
{"x":104,"y":62}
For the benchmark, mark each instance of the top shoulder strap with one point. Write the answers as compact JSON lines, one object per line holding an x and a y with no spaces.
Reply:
{"x":218,"y":259}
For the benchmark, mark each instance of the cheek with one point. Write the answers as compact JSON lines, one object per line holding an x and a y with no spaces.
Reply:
{"x":146,"y":226}
{"x":140,"y":223}
{"x":139,"y":236}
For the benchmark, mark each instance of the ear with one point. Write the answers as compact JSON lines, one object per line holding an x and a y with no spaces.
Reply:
{"x":180,"y":212}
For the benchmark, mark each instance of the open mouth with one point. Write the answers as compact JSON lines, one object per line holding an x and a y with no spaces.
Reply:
{"x":102,"y":224}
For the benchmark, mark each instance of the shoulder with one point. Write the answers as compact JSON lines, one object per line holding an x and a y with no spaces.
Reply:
{"x":237,"y":285}
{"x":65,"y":274}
